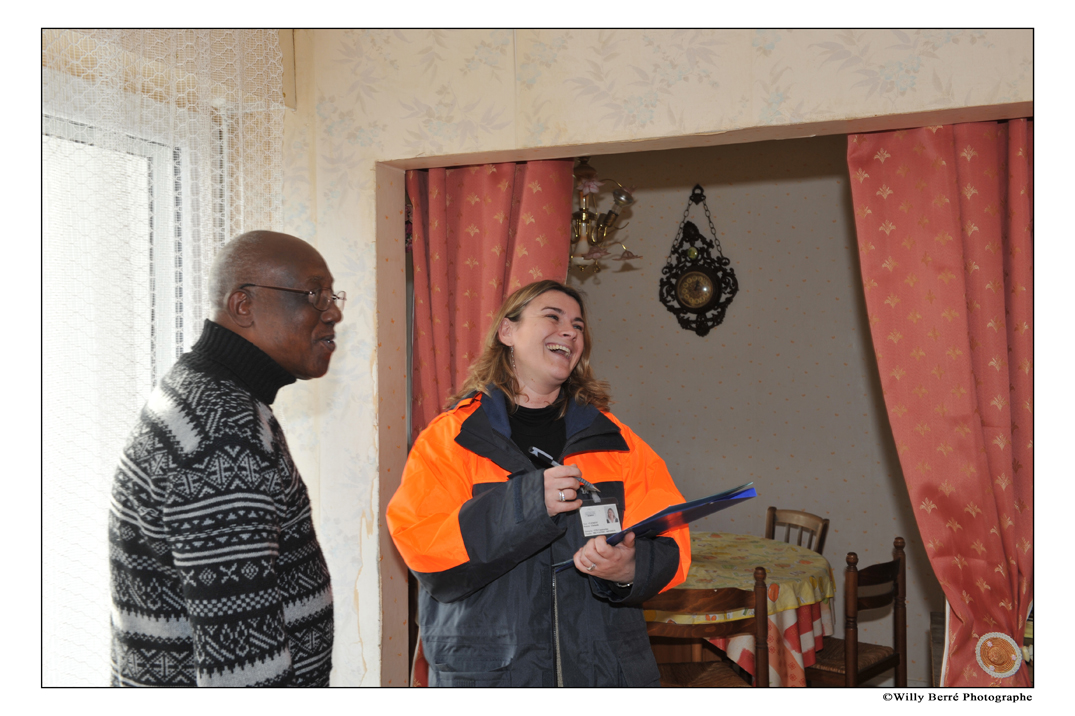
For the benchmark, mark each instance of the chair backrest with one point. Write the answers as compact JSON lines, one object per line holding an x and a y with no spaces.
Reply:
{"x":811,"y":526}
{"x":715,"y":601}
{"x":892,"y":573}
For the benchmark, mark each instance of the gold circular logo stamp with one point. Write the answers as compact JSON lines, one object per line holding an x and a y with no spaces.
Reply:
{"x":998,"y":654}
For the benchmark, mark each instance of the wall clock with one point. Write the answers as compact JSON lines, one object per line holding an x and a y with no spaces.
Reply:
{"x":697,"y":286}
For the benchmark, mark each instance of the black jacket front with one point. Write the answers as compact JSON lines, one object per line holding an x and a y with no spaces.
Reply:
{"x":501,"y":616}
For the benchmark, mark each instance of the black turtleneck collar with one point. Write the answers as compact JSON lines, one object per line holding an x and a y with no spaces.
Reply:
{"x":231,"y":356}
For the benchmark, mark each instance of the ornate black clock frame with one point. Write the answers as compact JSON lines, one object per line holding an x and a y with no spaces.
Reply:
{"x":697,"y":287}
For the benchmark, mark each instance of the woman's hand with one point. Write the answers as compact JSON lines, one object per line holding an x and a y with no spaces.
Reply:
{"x":613,"y":563}
{"x":562,"y":480}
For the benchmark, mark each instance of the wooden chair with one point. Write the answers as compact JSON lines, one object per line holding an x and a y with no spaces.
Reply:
{"x":711,"y":601}
{"x":816,"y":528}
{"x":847,"y":662}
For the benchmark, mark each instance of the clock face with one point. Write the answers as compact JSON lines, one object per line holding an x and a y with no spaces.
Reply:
{"x":694,"y":290}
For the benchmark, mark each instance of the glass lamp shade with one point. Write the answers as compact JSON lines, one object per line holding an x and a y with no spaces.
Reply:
{"x":623,"y":198}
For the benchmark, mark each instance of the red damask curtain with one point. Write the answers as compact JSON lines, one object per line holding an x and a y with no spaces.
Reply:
{"x":944,"y":219}
{"x":480,"y":232}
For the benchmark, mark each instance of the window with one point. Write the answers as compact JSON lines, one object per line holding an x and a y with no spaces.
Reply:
{"x":157,"y":145}
{"x":117,"y":221}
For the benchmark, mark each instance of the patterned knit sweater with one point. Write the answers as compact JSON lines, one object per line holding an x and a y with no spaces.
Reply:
{"x":217,"y":575}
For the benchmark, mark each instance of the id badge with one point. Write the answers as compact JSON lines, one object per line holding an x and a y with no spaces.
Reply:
{"x":600,"y":519}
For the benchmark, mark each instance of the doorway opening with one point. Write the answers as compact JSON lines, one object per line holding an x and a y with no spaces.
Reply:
{"x":630,"y":378}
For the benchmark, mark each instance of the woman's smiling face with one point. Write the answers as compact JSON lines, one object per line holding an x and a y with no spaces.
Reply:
{"x":547,"y":341}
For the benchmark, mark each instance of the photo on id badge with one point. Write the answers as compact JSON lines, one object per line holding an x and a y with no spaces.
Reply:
{"x":600,"y":519}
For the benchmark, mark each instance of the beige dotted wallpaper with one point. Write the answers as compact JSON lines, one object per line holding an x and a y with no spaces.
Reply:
{"x":785,"y":392}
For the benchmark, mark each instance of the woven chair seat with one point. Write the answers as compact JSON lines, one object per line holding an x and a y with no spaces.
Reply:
{"x":700,"y":674}
{"x":831,"y":668}
{"x":831,"y":657}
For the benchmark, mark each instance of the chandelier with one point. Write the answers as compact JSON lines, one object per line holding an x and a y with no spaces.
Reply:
{"x":591,"y":232}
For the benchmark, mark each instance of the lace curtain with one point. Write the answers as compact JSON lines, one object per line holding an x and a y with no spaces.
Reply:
{"x":157,"y":147}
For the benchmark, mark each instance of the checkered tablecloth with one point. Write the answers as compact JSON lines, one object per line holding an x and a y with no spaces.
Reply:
{"x":800,"y":591}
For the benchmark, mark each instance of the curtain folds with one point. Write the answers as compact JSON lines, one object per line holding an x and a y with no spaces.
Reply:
{"x":157,"y":147}
{"x":480,"y":232}
{"x":944,"y":217}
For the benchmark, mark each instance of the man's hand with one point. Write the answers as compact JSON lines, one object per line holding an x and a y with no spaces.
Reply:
{"x":562,"y":480}
{"x":613,"y":563}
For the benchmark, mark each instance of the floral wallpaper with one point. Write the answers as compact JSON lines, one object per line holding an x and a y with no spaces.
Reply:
{"x":366,"y":96}
{"x":593,"y":85}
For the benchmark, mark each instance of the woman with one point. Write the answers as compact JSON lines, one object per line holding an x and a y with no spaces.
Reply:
{"x":481,"y":522}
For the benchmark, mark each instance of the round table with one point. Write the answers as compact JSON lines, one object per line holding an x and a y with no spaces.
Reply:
{"x":800,"y":591}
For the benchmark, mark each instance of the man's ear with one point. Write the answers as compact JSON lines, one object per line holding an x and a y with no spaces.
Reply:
{"x":240,"y":308}
{"x":506,"y":332}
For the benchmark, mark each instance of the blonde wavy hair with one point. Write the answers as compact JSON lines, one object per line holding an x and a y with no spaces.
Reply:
{"x":493,"y":366}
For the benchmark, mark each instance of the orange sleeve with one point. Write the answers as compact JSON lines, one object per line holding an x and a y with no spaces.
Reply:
{"x":648,"y":489}
{"x":423,"y":515}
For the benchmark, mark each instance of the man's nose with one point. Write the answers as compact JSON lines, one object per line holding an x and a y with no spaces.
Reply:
{"x":332,"y":314}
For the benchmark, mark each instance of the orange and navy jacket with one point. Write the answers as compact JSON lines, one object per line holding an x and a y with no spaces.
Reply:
{"x":470,"y":520}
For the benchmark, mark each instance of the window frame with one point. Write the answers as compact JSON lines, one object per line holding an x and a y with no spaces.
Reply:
{"x":174,"y":210}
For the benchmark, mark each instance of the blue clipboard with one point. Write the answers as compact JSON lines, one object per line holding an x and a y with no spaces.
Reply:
{"x":677,"y":515}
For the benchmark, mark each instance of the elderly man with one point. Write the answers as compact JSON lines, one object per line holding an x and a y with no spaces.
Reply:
{"x":217,"y":575}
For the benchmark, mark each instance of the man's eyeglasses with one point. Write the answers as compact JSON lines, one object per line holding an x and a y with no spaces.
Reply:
{"x":318,"y":299}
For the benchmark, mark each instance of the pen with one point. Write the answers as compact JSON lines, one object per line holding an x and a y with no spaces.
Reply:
{"x":586,"y":484}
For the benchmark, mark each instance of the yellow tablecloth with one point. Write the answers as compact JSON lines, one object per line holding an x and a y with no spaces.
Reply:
{"x":795,"y":575}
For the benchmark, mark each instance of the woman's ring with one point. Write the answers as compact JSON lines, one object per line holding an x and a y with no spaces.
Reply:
{"x":590,"y":568}
{"x":562,"y":498}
